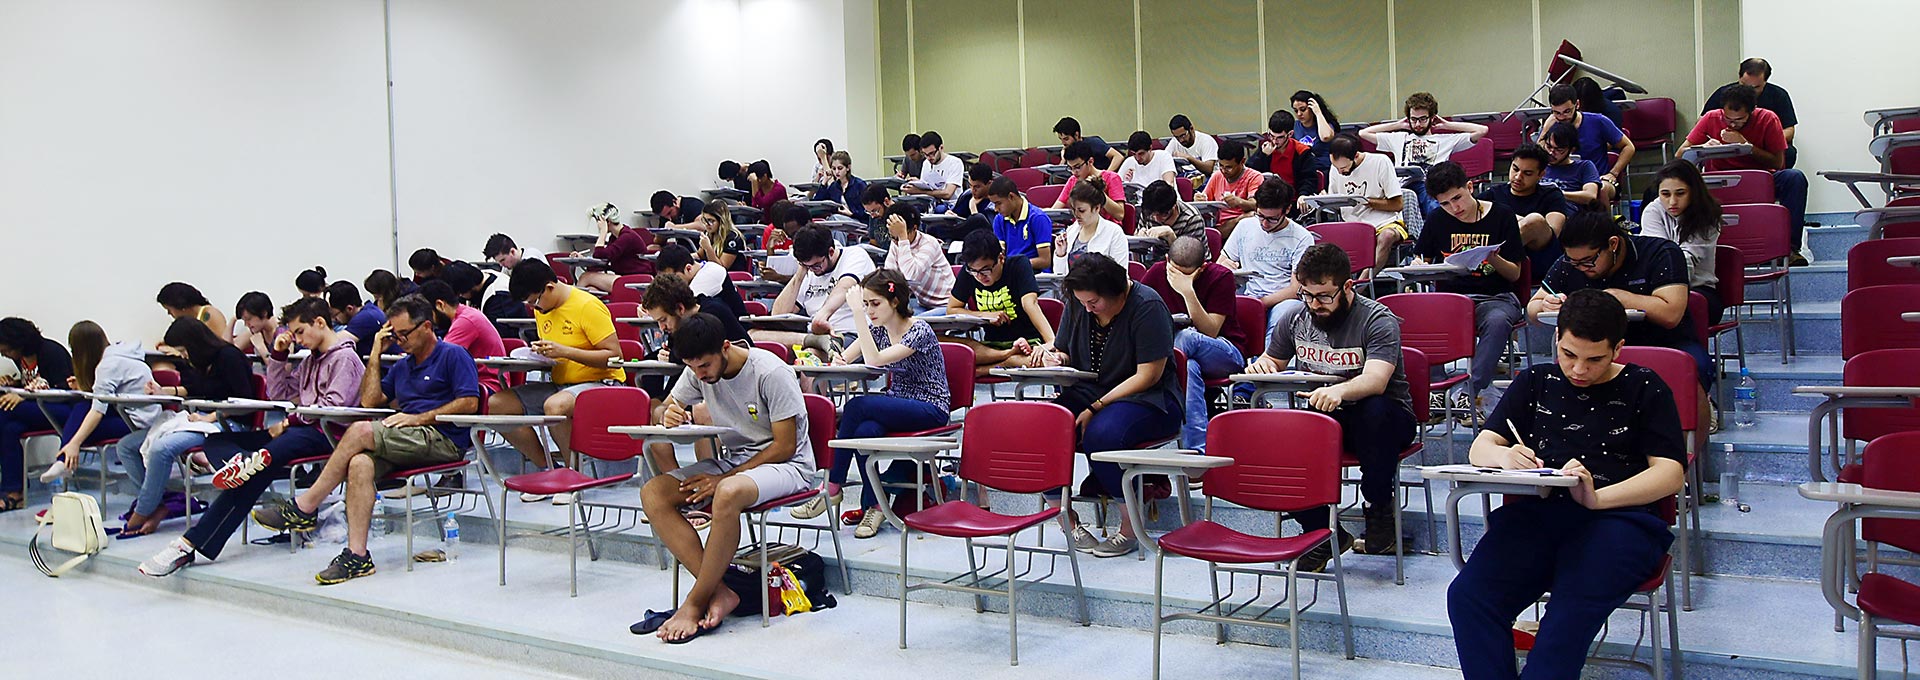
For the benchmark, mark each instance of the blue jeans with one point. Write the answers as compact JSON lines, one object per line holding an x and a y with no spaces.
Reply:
{"x":1282,"y":313}
{"x":1590,"y":560}
{"x":1120,"y":425}
{"x":1790,"y":191}
{"x":923,"y":311}
{"x":229,"y":510}
{"x":152,"y":470}
{"x":1207,"y":357}
{"x":1419,"y":189}
{"x":1493,"y":319}
{"x":878,"y":415}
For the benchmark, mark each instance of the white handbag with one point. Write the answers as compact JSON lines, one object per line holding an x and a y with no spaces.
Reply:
{"x":77,"y":528}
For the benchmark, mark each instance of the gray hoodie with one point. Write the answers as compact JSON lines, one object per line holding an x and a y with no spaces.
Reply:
{"x":123,"y":371}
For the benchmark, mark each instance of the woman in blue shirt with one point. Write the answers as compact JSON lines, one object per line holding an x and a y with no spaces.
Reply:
{"x":842,"y":187}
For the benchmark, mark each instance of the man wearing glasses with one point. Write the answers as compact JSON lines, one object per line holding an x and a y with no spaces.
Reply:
{"x":821,"y":292}
{"x":1271,"y":252}
{"x":436,"y":378}
{"x":1082,"y":161}
{"x":1000,"y":287}
{"x":1422,"y":139}
{"x":1357,"y":340}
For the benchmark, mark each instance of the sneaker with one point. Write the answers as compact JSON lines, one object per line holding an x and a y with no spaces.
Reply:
{"x":535,"y":497}
{"x":1462,"y":405}
{"x":852,"y":517}
{"x":58,"y":470}
{"x":1799,"y":260}
{"x":1713,"y":419}
{"x":345,"y":567}
{"x":870,"y":523}
{"x":241,"y":468}
{"x":1116,"y":546}
{"x":1316,"y":560}
{"x":814,"y":508}
{"x":1381,"y":535}
{"x":1083,"y":540}
{"x":1436,"y":405}
{"x":284,"y":516}
{"x":563,"y":498}
{"x":177,"y":554}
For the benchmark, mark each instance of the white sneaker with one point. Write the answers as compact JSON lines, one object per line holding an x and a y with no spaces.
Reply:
{"x":815,"y":508}
{"x":58,"y":470}
{"x":563,"y":499}
{"x":870,"y":523}
{"x":534,"y":497}
{"x":177,"y":554}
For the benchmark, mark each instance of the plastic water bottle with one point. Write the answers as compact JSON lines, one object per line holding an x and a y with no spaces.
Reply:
{"x":1729,"y":478}
{"x":450,"y":533}
{"x":1746,"y":400}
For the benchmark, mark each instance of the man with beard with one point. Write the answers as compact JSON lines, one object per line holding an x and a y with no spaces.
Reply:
{"x":766,"y":455}
{"x":1357,"y":340}
{"x":1422,"y":139}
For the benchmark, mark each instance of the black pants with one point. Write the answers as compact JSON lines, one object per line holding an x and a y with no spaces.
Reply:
{"x":230,"y":509}
{"x":1376,"y":430}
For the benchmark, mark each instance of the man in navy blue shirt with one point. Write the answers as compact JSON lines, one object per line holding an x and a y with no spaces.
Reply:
{"x":435,"y":379}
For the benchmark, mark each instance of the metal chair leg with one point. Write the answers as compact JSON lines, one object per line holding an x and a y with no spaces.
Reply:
{"x":1653,"y":635}
{"x":1013,"y":606}
{"x":904,"y":532}
{"x":574,"y":518}
{"x":1159,"y":576}
{"x":1293,"y":615}
{"x":500,"y":533}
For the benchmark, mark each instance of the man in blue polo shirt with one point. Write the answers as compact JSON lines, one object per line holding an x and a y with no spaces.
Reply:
{"x":435,"y":379}
{"x":1025,"y":230}
{"x":1596,"y":134}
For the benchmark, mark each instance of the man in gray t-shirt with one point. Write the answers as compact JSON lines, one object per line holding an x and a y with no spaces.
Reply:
{"x":1358,"y":340}
{"x":766,"y":456}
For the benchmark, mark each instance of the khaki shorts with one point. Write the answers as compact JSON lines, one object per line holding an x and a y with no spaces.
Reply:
{"x":406,"y":448}
{"x":1397,"y":227}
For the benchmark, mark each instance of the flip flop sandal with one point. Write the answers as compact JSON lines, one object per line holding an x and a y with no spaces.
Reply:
{"x":125,"y":534}
{"x":10,"y":503}
{"x":698,"y":518}
{"x":697,"y":632}
{"x":651,"y":622}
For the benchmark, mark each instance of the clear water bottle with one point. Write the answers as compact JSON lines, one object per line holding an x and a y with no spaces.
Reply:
{"x":450,"y":533}
{"x":1746,"y":400}
{"x":1729,"y":477}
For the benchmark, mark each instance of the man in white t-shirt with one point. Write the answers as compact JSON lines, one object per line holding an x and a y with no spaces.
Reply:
{"x":1192,"y":146}
{"x":1369,"y":176}
{"x":1422,"y":139}
{"x":942,"y":174}
{"x":822,"y":292}
{"x":1270,"y":252}
{"x":1145,"y":165}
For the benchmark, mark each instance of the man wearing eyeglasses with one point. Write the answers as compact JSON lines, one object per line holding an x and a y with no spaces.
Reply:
{"x":436,"y":378}
{"x":1647,"y":273}
{"x":1356,"y":340}
{"x":1083,"y":163}
{"x":1422,"y":139}
{"x":829,"y":270}
{"x":1271,"y":252}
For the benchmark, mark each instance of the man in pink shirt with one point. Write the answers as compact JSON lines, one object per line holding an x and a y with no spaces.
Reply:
{"x":1085,"y":165}
{"x":922,"y":259}
{"x":1740,"y":120}
{"x":1233,"y":184}
{"x":467,"y":329}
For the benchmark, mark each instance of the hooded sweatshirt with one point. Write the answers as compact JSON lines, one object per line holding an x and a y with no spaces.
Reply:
{"x":123,"y":371}
{"x":330,"y":378}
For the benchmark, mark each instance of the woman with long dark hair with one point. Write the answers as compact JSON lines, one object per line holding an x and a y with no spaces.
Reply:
{"x":1686,"y":213}
{"x":1314,"y":123}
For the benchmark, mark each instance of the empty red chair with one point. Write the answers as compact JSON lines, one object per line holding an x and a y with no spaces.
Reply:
{"x":1354,"y":237}
{"x":593,"y":412}
{"x":1184,"y":185}
{"x":1742,"y":186}
{"x":1440,"y":325}
{"x":1876,"y":368}
{"x":625,"y":310}
{"x":1214,"y":243}
{"x":779,"y":350}
{"x":1130,"y":219}
{"x":1506,"y":134}
{"x":621,"y":293}
{"x":1035,"y":157}
{"x":1682,"y":377}
{"x":1651,"y":122}
{"x":1026,"y":179}
{"x":1870,"y":319}
{"x":1045,"y":195}
{"x":560,"y":271}
{"x":1727,"y":267}
{"x":757,"y":308}
{"x":1252,"y":317}
{"x":1890,"y":466}
{"x":1761,"y":234}
{"x":1867,"y":262}
{"x":1476,"y":160}
{"x":1301,"y":476}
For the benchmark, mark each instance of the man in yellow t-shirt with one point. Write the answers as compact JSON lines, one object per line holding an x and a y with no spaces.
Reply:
{"x":577,"y":333}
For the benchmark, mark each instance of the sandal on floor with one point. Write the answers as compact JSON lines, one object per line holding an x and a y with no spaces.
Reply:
{"x":126,"y":533}
{"x":651,"y":622}
{"x":11,"y":503}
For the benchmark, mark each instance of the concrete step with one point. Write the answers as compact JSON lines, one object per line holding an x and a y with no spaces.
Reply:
{"x":1830,"y":244}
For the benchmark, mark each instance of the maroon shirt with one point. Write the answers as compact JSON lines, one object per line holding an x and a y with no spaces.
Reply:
{"x":1214,"y":285}
{"x":623,"y":252}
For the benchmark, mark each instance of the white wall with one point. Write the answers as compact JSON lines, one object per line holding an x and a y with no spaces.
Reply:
{"x":227,"y":143}
{"x":1838,"y":61}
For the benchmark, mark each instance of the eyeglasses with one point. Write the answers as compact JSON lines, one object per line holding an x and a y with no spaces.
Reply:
{"x":1321,"y":298}
{"x":1419,"y":119}
{"x":402,"y":335}
{"x":983,"y":271}
{"x":816,"y":266}
{"x":1276,"y":219}
{"x":1076,"y":166}
{"x":1584,"y":263}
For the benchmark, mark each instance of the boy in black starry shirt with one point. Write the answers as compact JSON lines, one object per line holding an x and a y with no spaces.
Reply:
{"x":1616,"y":428}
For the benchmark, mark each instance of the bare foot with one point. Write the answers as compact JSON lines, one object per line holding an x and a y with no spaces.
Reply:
{"x":152,"y":523}
{"x":722,"y":605}
{"x":685,"y":622}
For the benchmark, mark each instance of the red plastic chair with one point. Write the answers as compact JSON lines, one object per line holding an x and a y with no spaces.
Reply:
{"x":820,"y":429}
{"x":1876,"y":368}
{"x":1054,"y":309}
{"x":1477,"y":160}
{"x":778,"y":350}
{"x":1726,"y":267}
{"x":1035,"y":157}
{"x":1761,"y":234}
{"x":1135,"y":270}
{"x":1743,"y":186}
{"x":1870,"y":319}
{"x":1214,"y":243}
{"x":1889,"y":467}
{"x":621,"y":293}
{"x":1867,"y":263}
{"x":1025,"y":179}
{"x":1044,"y":196}
{"x":593,"y":412}
{"x":1252,"y":317}
{"x":757,"y":308}
{"x":958,"y":362}
{"x":625,"y":310}
{"x":1440,"y":325}
{"x":1184,"y":185}
{"x":1301,"y":476}
{"x":1651,"y":122}
{"x":1506,"y":135}
{"x":1682,"y":377}
{"x":738,"y":277}
{"x":560,"y":271}
{"x":1354,"y":237}
{"x":1414,"y":362}
{"x":1129,"y":219}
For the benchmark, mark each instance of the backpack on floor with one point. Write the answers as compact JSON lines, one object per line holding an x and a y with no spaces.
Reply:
{"x":77,"y":528}
{"x":797,"y":563}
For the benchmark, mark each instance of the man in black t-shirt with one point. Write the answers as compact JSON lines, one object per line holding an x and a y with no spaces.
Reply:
{"x":1464,"y":223}
{"x":1003,"y":290}
{"x":1540,"y":208}
{"x":1615,"y":427}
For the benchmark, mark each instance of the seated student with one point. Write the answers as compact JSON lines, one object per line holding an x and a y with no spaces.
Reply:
{"x":576,"y":332}
{"x":822,"y":155}
{"x":1413,"y":141}
{"x":1122,"y":331}
{"x":43,"y":364}
{"x":1145,"y":165}
{"x":1232,"y":183}
{"x":254,"y":460}
{"x":312,"y":282}
{"x":1001,"y":288}
{"x":1594,"y":100}
{"x":1080,"y":160}
{"x":942,"y":171}
{"x":257,"y":324}
{"x":670,"y":209}
{"x":876,"y":200}
{"x":215,"y":370}
{"x":1104,"y":156}
{"x":706,"y":279}
{"x":916,"y":398}
{"x":765,"y":189}
{"x":1358,"y":340}
{"x":383,"y":287}
{"x":720,"y":241}
{"x":118,"y":369}
{"x":733,"y":174}
{"x":670,"y":301}
{"x":1090,"y":232}
{"x":183,"y":301}
{"x":1193,"y":146}
{"x":1287,"y":158}
{"x":1023,"y":229}
{"x":1540,"y":208}
{"x":1164,"y":216}
{"x":1687,"y":213}
{"x":437,"y":378}
{"x":467,"y":329}
{"x":488,"y":292}
{"x":1596,"y":136}
{"x":503,"y":251}
{"x":353,"y":316}
{"x":1576,"y":179}
{"x":426,"y":264}
{"x":974,"y":201}
{"x":622,"y":246}
{"x":1202,"y":290}
{"x":915,"y":162}
{"x":1614,"y":427}
{"x":1740,"y":121}
{"x":1272,"y":251}
{"x":921,"y":261}
{"x":1757,"y":75}
{"x":1314,"y":124}
{"x":822,"y":293}
{"x":1371,"y":176}
{"x":756,"y":396}
{"x":840,"y":186}
{"x":1464,"y":222}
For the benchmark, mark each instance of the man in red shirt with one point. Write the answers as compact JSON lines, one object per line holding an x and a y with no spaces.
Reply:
{"x":1204,"y":291}
{"x":1234,"y":184}
{"x":1739,"y":120}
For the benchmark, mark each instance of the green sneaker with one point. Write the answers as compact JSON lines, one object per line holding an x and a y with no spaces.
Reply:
{"x":284,"y":516}
{"x":345,"y":567}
